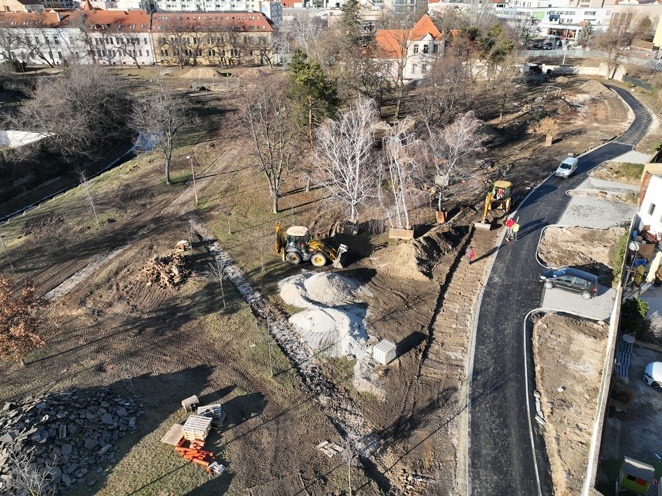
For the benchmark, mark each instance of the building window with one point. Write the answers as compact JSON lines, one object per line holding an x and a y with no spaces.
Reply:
{"x":56,"y":40}
{"x":426,"y":48}
{"x":59,"y":55}
{"x":651,"y":209}
{"x":147,"y":53}
{"x":435,"y":48}
{"x":140,"y":52}
{"x":414,"y":68}
{"x":415,"y":48}
{"x":424,"y":69}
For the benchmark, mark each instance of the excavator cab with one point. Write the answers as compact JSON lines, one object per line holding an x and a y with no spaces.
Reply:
{"x":499,"y":197}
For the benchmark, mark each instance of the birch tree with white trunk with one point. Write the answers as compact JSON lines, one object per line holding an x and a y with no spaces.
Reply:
{"x":452,"y":147}
{"x":402,"y":150}
{"x":343,"y":157}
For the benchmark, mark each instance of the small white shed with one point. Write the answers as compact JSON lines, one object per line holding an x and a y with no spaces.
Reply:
{"x":383,"y":352}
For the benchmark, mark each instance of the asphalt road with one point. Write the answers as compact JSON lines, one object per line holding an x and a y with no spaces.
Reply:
{"x":502,"y":457}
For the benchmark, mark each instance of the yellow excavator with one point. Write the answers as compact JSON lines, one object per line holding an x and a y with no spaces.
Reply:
{"x":295,"y":246}
{"x":499,"y":197}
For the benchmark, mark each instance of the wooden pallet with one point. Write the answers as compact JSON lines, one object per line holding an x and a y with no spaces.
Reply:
{"x":173,"y":436}
{"x":197,"y":427}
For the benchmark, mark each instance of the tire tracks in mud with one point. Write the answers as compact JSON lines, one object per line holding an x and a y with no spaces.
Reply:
{"x":336,"y":403}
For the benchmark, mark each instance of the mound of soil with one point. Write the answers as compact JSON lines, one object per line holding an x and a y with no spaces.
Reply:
{"x":201,"y":73}
{"x":595,"y":88}
{"x":417,"y":259}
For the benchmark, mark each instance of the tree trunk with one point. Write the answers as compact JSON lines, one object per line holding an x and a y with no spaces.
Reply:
{"x":274,"y":202}
{"x":549,"y":139}
{"x":167,"y":170}
{"x":310,"y":121}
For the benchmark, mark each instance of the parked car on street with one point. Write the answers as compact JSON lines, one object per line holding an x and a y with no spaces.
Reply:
{"x":653,"y":375}
{"x":571,"y":279}
{"x":547,"y":46}
{"x":567,"y":167}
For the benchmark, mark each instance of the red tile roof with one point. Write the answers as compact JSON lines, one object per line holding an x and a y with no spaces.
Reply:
{"x":390,"y":42}
{"x":29,"y":19}
{"x":252,"y":22}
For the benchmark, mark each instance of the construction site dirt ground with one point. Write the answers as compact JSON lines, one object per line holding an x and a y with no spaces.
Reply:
{"x":163,"y":344}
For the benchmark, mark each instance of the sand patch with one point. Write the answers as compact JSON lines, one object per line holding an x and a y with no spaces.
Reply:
{"x":333,"y":320}
{"x":568,"y":355}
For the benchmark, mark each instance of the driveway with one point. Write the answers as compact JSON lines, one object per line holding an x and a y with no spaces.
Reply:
{"x":506,"y":453}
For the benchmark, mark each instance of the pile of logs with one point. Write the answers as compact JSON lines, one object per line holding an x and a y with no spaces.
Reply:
{"x":167,"y":271}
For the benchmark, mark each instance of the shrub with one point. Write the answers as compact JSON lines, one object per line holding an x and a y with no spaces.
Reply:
{"x":633,"y":312}
{"x":619,"y":255}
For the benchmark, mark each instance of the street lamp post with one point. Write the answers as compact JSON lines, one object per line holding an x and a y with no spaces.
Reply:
{"x":195,"y":189}
{"x":634,"y":247}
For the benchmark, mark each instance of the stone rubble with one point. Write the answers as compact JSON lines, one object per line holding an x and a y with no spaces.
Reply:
{"x":70,"y":434}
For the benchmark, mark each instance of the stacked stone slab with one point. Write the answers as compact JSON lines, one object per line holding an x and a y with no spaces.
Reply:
{"x":71,"y":434}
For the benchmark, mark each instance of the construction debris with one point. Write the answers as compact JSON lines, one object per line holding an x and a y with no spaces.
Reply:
{"x":329,"y":449}
{"x":168,"y":271}
{"x":189,"y":439}
{"x":190,"y":403}
{"x":69,"y":435}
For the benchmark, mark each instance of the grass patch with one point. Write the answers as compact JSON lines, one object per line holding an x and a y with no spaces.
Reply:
{"x":628,"y":171}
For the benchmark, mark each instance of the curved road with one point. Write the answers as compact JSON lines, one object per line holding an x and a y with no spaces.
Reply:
{"x":502,"y":459}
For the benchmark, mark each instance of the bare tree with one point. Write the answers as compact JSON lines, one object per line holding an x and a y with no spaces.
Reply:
{"x":304,"y":32}
{"x":19,"y":327}
{"x":88,"y":195}
{"x":80,"y":110}
{"x":267,"y":116}
{"x":446,"y":91}
{"x":217,"y":272}
{"x":615,"y":40}
{"x":549,"y":127}
{"x":402,"y":150}
{"x":160,"y":118}
{"x":452,"y":146}
{"x":344,"y":157}
{"x":28,"y":478}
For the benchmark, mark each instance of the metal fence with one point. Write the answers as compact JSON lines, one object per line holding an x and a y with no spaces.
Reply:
{"x":594,"y":54}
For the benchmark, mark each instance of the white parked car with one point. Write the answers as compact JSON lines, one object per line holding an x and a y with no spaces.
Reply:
{"x":567,"y":167}
{"x":653,"y":375}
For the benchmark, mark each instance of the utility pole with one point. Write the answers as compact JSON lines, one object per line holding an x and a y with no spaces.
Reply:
{"x":195,"y":189}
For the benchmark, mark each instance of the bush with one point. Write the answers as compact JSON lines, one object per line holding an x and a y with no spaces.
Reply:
{"x":619,"y":255}
{"x":633,"y":313}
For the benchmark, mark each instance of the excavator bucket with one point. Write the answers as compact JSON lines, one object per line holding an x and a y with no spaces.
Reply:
{"x":337,"y":263}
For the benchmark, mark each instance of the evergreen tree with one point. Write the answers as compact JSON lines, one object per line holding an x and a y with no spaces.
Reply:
{"x":316,"y":92}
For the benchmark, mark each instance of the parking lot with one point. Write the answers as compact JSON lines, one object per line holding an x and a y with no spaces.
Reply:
{"x":597,"y":308}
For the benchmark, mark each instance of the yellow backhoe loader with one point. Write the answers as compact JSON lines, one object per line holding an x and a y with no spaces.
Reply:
{"x":499,"y":197}
{"x":295,"y":246}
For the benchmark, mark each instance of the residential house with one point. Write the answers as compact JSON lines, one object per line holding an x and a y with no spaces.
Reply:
{"x":115,"y":37}
{"x":212,"y":38}
{"x":21,"y":6}
{"x":38,"y":38}
{"x":649,"y":214}
{"x":82,"y":36}
{"x":407,"y":54}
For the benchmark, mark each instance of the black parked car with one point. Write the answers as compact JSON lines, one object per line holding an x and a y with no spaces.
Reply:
{"x":547,"y":46}
{"x":571,"y":280}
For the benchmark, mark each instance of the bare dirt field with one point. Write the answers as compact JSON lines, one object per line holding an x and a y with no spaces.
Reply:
{"x":568,"y":356}
{"x":162,"y":345}
{"x":585,"y":248}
